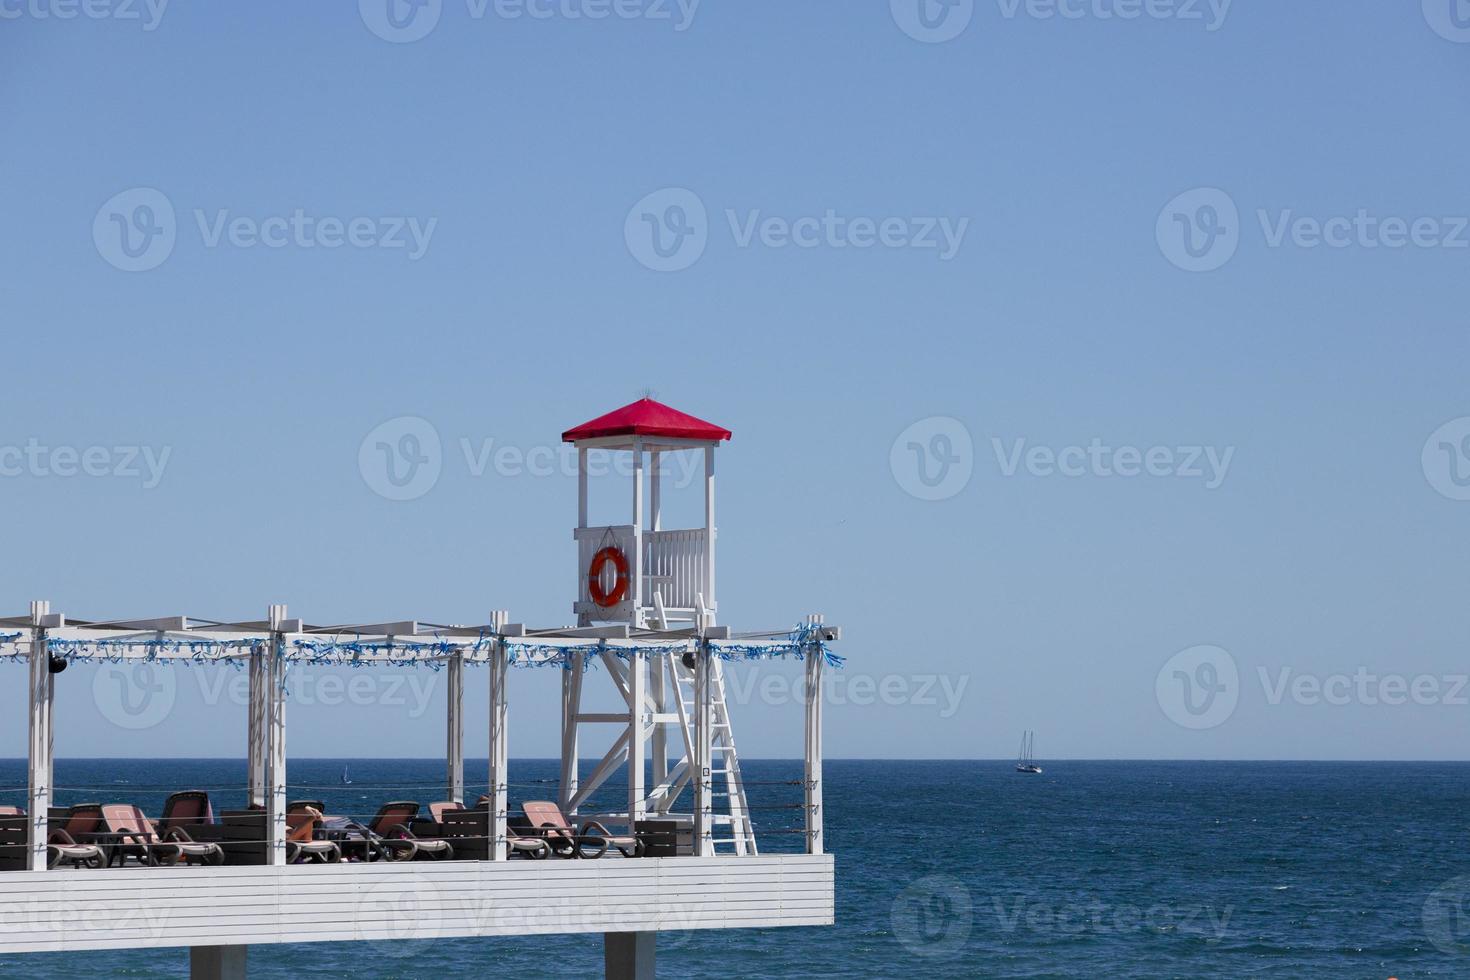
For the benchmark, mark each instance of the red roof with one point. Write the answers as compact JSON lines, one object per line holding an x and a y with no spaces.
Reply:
{"x":647,"y":417}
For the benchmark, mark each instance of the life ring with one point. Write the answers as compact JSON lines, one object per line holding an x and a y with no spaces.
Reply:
{"x":619,"y":561}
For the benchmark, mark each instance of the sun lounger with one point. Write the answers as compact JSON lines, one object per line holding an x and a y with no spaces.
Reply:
{"x":137,"y":837}
{"x":188,"y":809}
{"x":389,"y":836}
{"x":592,"y":840}
{"x":68,"y":843}
{"x":301,"y":843}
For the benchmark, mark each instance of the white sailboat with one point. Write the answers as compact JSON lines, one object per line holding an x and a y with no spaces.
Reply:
{"x":1026,"y":761}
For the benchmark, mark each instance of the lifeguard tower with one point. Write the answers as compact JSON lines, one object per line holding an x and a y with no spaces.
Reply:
{"x":651,"y":578}
{"x":642,"y":573}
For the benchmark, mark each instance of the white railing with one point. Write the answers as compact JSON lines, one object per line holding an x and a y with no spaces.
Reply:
{"x":674,"y":565}
{"x":591,"y":540}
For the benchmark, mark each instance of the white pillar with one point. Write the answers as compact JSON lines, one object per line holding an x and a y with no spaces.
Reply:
{"x":256,"y":734}
{"x":635,"y":587}
{"x":217,"y":962}
{"x":571,"y":704}
{"x":709,"y":529}
{"x":813,"y":782}
{"x":637,"y":715}
{"x":655,"y":491}
{"x":39,"y":757}
{"x":628,"y":955}
{"x":703,"y":780}
{"x":657,"y":670}
{"x":276,"y":740}
{"x":583,"y":619}
{"x":454,"y":736}
{"x":499,"y":742}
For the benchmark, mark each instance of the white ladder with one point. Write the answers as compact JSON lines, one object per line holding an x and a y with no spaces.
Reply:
{"x":725,"y":762}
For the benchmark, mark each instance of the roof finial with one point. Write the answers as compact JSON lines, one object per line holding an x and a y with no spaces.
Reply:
{"x":646,"y":393}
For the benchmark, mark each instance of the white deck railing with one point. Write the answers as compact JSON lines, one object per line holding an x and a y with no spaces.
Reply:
{"x":675,"y":565}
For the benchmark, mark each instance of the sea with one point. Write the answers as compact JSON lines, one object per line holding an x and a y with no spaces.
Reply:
{"x":961,"y":869}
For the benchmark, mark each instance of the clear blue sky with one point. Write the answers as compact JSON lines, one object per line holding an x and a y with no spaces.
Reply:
{"x":1059,"y":319}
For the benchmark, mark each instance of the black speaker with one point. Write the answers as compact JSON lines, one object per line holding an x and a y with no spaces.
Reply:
{"x":57,"y":664}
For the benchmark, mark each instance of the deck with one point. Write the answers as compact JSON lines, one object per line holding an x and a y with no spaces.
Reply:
{"x":134,"y":907}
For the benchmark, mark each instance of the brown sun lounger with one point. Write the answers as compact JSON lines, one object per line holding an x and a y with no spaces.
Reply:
{"x":61,"y":846}
{"x":389,"y":836}
{"x":301,"y":843}
{"x":188,"y":809}
{"x":591,"y":840}
{"x":137,"y":837}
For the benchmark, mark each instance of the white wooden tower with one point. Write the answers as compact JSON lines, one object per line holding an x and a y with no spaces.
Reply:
{"x":645,"y":577}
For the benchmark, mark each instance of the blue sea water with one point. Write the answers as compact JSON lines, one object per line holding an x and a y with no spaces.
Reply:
{"x":964,"y":869}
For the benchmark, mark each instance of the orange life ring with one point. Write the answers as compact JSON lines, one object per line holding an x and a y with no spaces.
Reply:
{"x":594,"y":577}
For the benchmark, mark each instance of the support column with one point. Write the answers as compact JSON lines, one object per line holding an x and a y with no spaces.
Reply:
{"x":217,"y":962}
{"x":635,"y":588}
{"x":704,"y":844}
{"x":571,"y":704}
{"x":499,"y":742}
{"x":454,"y":737}
{"x":657,"y":671}
{"x":637,"y":717}
{"x":276,"y":740}
{"x":39,"y":767}
{"x":709,"y":531}
{"x":256,"y":737}
{"x":813,"y":781}
{"x":628,"y":955}
{"x":582,"y":618}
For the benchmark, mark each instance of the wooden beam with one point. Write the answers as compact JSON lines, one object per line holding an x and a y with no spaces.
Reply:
{"x":637,"y":693}
{"x":39,"y":766}
{"x":813,"y":780}
{"x":276,"y":739}
{"x":454,"y":729}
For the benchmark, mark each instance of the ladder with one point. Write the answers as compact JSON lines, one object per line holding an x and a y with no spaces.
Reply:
{"x":724,"y":761}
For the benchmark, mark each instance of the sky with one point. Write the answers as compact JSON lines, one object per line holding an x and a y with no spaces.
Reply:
{"x":1098,"y":365}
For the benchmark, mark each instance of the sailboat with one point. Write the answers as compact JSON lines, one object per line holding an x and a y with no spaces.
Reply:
{"x":1026,"y":761}
{"x":345,"y":780}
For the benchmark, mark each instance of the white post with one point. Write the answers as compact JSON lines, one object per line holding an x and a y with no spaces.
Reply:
{"x":709,"y":528}
{"x":637,"y":714}
{"x":813,"y":782}
{"x":499,"y":742}
{"x":657,"y":668}
{"x":454,"y":736}
{"x":276,"y":740}
{"x":256,"y":736}
{"x":704,"y":845}
{"x":571,"y":704}
{"x":217,"y":962}
{"x":636,"y":558}
{"x":39,"y":761}
{"x":655,"y":490}
{"x":583,"y":619}
{"x":629,"y":955}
